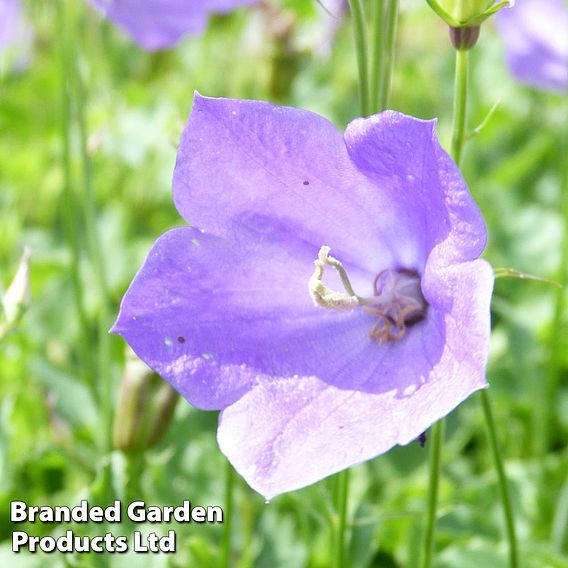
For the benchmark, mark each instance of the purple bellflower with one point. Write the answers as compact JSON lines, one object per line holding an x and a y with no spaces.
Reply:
{"x":15,"y":34}
{"x":159,"y":24}
{"x":535,"y":33}
{"x":329,"y":298}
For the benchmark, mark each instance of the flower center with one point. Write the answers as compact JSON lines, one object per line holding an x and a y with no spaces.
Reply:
{"x":397,"y":299}
{"x":397,"y":302}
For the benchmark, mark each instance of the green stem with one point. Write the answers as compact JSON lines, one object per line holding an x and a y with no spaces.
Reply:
{"x":554,"y":367}
{"x":461,"y":88}
{"x":436,"y":442}
{"x":377,"y":48}
{"x":71,"y":210}
{"x":458,"y":140}
{"x":461,"y":85}
{"x":502,"y":479}
{"x":228,"y":516}
{"x":89,"y":217}
{"x":134,"y":470}
{"x":342,"y":496}
{"x":560,"y":520}
{"x":359,"y":32}
{"x":388,"y":64}
{"x":458,"y":137}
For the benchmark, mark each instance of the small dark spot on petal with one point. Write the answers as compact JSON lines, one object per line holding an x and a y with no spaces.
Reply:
{"x":422,"y":439}
{"x":181,"y":339}
{"x":306,"y":182}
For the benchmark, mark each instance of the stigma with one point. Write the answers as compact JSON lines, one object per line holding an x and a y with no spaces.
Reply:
{"x":397,"y":301}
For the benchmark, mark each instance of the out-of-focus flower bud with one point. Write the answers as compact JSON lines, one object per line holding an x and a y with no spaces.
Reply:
{"x":285,"y":57}
{"x":16,"y":37}
{"x":466,"y":13}
{"x":465,"y":10}
{"x":17,"y":297}
{"x":464,"y":38}
{"x":145,"y":407}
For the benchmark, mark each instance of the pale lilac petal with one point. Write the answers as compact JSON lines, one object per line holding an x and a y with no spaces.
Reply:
{"x":223,"y":6}
{"x":212,"y":317}
{"x":402,"y":155}
{"x":288,"y":171}
{"x":159,"y":24}
{"x":293,"y":170}
{"x":288,"y":433}
{"x":535,"y":33}
{"x":16,"y":35}
{"x":10,"y":14}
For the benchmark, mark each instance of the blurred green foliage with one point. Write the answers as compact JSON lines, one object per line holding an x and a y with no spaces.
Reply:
{"x":52,"y":436}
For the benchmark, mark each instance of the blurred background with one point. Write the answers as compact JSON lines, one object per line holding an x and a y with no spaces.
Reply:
{"x":89,"y":125}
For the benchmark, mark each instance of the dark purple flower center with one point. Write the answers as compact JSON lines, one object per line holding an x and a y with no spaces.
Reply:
{"x":398,"y":302}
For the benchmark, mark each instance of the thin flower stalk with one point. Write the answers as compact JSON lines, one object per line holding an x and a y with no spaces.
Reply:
{"x":377,"y":53}
{"x":502,"y":479}
{"x":341,"y":498}
{"x":459,"y":129}
{"x":560,"y":519}
{"x":228,"y":516}
{"x":389,"y":53}
{"x":87,"y":211}
{"x":71,"y":209}
{"x":459,"y":124}
{"x":553,"y":371}
{"x":360,"y":35}
{"x":459,"y":121}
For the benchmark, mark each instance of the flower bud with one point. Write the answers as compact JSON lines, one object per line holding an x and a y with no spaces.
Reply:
{"x":145,"y":407}
{"x":463,"y":11}
{"x":17,"y":297}
{"x":466,"y":13}
{"x":464,"y":38}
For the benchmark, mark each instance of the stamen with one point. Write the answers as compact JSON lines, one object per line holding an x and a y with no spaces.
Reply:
{"x":324,"y":296}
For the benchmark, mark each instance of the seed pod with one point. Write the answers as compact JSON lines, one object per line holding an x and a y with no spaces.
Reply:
{"x":145,"y":407}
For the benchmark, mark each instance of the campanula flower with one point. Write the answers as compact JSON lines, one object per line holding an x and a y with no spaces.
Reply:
{"x":159,"y":24}
{"x":466,"y":13}
{"x":535,"y":33}
{"x":328,"y":297}
{"x":15,"y":36}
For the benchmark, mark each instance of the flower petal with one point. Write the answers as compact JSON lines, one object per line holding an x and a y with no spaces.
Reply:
{"x":214,"y":318}
{"x":158,"y":24}
{"x":285,"y":434}
{"x":266,"y":166}
{"x":16,"y":35}
{"x":535,"y":33}
{"x":403,"y":154}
